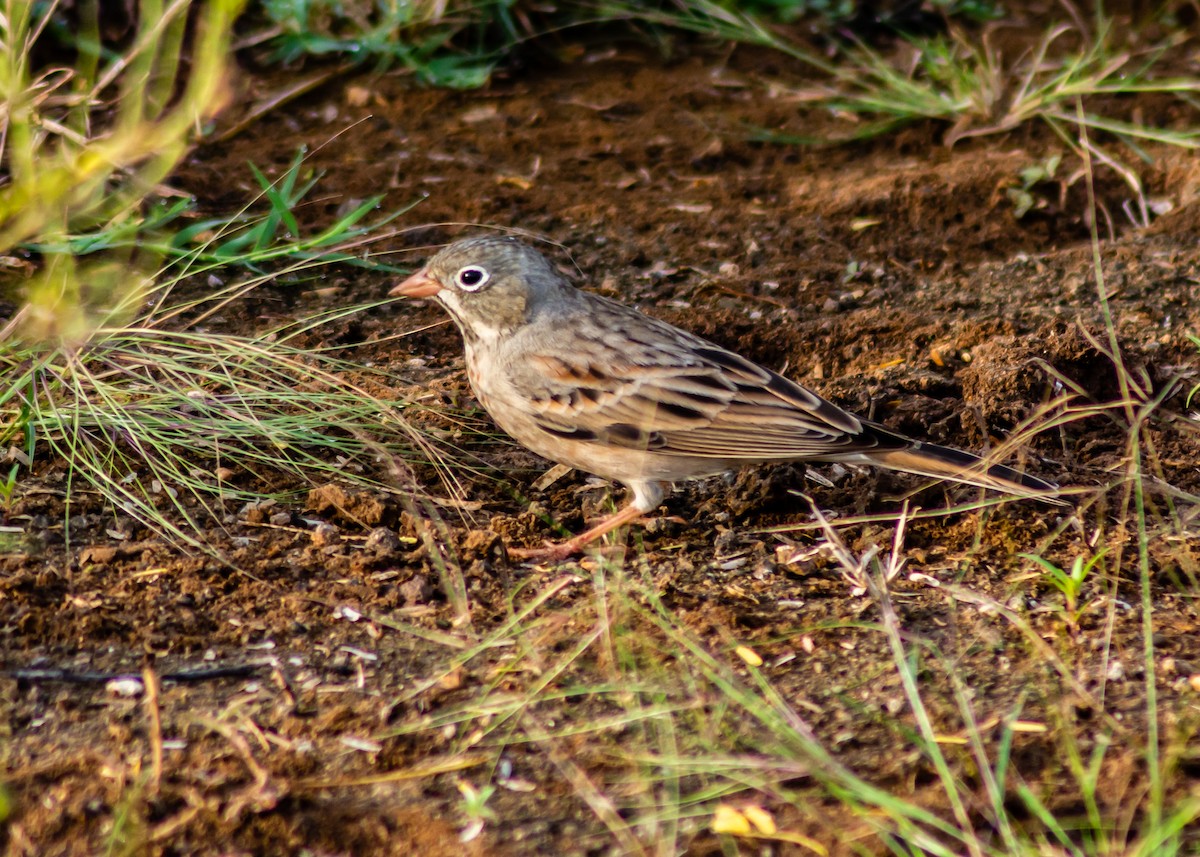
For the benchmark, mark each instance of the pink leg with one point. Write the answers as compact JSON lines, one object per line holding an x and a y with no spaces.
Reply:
{"x":570,"y":547}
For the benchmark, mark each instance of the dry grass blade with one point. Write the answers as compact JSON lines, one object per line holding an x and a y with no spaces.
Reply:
{"x":178,"y":425}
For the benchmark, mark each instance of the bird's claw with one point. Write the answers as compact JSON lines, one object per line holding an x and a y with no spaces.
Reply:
{"x":548,"y":552}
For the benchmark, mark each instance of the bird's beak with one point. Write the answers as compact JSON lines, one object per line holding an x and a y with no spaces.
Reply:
{"x":419,"y":285}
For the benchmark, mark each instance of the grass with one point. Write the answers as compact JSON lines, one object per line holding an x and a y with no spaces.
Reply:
{"x":63,"y":171}
{"x":460,"y":44}
{"x":416,"y":36}
{"x":109,"y":367}
{"x":250,"y":239}
{"x":179,"y":426}
{"x":957,"y":78}
{"x":1069,"y":583}
{"x":962,"y":81}
{"x":170,"y":422}
{"x":967,"y":83}
{"x":69,"y":169}
{"x":668,"y":736}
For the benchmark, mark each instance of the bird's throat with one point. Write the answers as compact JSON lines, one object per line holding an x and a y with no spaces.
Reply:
{"x":484,"y":320}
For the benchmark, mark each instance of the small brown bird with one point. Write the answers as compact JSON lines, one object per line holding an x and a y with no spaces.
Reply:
{"x":596,"y":385}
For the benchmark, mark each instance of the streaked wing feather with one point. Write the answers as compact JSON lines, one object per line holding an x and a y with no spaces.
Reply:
{"x":659,"y":388}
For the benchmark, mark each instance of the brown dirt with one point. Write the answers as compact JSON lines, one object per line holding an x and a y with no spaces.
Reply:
{"x":892,"y":276}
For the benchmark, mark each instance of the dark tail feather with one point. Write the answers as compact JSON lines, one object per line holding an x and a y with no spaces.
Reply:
{"x":944,"y":462}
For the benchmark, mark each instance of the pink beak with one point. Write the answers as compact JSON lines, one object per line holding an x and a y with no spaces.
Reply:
{"x":419,"y":285}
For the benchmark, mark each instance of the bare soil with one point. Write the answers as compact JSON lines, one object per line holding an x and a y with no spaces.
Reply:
{"x":892,"y":276}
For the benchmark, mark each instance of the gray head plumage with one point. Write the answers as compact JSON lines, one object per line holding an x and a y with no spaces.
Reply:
{"x":488,"y":282}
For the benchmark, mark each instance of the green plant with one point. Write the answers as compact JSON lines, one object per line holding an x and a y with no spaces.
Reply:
{"x":128,"y":833}
{"x":107,"y":365}
{"x":1192,"y":393}
{"x":965,"y":83}
{"x":474,"y":808}
{"x":1069,"y":583}
{"x":969,"y":84}
{"x":459,"y":44}
{"x":1022,"y":197}
{"x":66,"y":174}
{"x":18,"y":427}
{"x":250,"y":239}
{"x":421,"y":36}
{"x":165,"y":419}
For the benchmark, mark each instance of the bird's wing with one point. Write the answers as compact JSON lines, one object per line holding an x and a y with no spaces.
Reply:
{"x":640,"y":383}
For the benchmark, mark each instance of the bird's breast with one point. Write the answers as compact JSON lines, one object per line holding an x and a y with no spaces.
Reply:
{"x":479,"y":376}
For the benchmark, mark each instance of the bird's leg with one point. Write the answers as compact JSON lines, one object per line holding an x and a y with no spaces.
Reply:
{"x":570,"y":547}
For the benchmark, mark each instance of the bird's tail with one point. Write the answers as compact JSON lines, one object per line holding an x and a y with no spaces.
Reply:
{"x":942,"y":462}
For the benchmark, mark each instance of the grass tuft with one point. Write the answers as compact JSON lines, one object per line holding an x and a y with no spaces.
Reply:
{"x":172,"y":427}
{"x":109,"y":364}
{"x":171,"y":422}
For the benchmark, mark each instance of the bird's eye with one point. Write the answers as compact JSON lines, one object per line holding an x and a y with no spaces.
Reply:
{"x":472,"y":278}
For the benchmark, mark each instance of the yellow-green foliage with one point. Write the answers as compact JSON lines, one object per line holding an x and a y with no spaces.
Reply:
{"x":84,"y":145}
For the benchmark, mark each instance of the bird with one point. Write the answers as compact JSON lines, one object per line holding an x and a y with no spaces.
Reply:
{"x":599,"y":386}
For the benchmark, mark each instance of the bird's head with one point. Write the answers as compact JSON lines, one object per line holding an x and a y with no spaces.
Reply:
{"x":488,"y":284}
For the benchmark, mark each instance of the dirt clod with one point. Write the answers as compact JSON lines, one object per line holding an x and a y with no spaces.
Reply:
{"x":354,"y":506}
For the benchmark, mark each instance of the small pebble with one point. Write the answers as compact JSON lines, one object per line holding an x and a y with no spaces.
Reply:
{"x":416,"y":591}
{"x":381,"y":540}
{"x":97,"y":555}
{"x":126,"y":687}
{"x":325,"y":534}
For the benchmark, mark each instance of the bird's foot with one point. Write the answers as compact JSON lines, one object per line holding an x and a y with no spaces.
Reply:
{"x":548,"y":552}
{"x":556,"y":551}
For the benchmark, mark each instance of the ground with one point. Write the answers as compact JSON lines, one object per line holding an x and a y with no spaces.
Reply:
{"x":381,"y":666}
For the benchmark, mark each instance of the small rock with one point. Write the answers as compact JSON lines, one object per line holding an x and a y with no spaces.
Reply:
{"x":97,"y":555}
{"x":663,"y":525}
{"x":325,"y":534}
{"x":126,"y":687}
{"x":381,"y":540}
{"x":485,"y":113}
{"x":481,"y":543}
{"x":416,"y":591}
{"x":725,"y":542}
{"x":281,"y":519}
{"x":358,"y":506}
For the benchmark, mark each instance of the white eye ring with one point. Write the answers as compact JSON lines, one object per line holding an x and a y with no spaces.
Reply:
{"x":471,"y":278}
